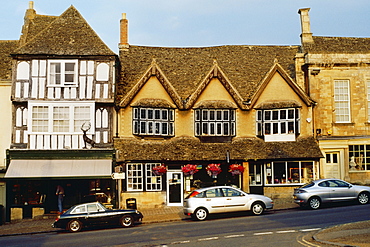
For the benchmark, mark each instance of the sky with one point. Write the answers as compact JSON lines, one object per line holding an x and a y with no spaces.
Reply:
{"x":199,"y":23}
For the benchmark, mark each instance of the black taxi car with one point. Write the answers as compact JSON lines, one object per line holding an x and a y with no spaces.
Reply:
{"x":95,"y":214}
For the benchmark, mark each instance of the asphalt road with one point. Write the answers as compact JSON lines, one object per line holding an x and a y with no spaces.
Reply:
{"x":281,"y":228}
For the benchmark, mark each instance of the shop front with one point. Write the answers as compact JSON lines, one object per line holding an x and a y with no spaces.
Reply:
{"x":32,"y":183}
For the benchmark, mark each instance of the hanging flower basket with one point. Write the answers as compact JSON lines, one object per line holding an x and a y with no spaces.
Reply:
{"x":213,"y":170}
{"x":159,"y":170}
{"x":189,"y":169}
{"x":236,"y":169}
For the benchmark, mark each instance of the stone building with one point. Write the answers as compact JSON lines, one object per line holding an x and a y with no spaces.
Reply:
{"x":336,"y":75}
{"x":226,"y":105}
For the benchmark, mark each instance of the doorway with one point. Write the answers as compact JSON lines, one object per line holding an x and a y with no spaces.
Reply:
{"x":175,"y":188}
{"x":332,"y":169}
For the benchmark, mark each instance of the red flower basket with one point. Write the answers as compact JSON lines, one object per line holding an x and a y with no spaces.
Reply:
{"x":213,"y":170}
{"x":236,"y":169}
{"x":159,"y":170}
{"x":189,"y":169}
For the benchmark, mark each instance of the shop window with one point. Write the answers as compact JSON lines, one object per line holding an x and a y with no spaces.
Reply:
{"x":278,"y":124}
{"x":255,"y":174}
{"x":153,"y":121}
{"x":140,"y":177}
{"x":359,"y":158}
{"x":289,"y":172}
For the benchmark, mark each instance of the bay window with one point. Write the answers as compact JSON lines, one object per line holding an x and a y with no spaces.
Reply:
{"x":59,"y":118}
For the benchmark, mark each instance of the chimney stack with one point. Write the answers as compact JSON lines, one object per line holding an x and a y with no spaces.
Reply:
{"x":30,"y":12}
{"x":123,"y":43}
{"x":306,"y":36}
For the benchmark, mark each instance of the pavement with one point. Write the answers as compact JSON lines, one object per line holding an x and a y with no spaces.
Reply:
{"x":354,"y":234}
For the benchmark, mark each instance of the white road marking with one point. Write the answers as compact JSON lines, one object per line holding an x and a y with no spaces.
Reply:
{"x":310,"y":230}
{"x":207,"y":239}
{"x":287,"y":231}
{"x":263,"y":233}
{"x":235,"y":236}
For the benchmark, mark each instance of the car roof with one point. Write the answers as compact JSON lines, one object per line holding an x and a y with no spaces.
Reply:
{"x":216,"y":187}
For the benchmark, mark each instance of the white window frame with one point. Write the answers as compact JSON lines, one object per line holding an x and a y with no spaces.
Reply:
{"x":72,"y":129}
{"x":140,"y":177}
{"x":153,"y":121}
{"x":214,"y":122}
{"x":63,"y":73}
{"x":303,"y":177}
{"x":278,"y":124}
{"x":342,"y":101}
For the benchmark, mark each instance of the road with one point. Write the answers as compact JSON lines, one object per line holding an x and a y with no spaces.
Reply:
{"x":281,"y":228}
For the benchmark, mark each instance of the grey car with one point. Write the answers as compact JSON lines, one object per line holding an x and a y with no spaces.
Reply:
{"x":320,"y":191}
{"x":223,"y":199}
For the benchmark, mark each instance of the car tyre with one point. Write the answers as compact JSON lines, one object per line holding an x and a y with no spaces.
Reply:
{"x":363,"y":198}
{"x":127,"y":221}
{"x":258,"y":208}
{"x":200,"y":214}
{"x":314,"y":203}
{"x":74,"y":226}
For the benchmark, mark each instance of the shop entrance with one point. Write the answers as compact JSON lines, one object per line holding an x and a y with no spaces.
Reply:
{"x":175,"y":188}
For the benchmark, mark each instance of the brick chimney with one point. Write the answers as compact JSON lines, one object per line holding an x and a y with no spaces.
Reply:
{"x":306,"y":35}
{"x":123,"y":43}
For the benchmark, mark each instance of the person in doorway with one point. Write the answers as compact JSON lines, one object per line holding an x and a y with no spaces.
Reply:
{"x":60,"y":194}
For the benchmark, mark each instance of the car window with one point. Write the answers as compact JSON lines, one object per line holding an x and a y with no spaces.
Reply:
{"x":79,"y":209}
{"x":308,"y":185}
{"x":92,"y":208}
{"x":231,"y":192}
{"x":213,"y":193}
{"x":324,"y":184}
{"x":341,"y":183}
{"x":332,"y":183}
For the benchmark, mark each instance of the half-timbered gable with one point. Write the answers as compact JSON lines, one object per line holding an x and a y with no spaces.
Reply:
{"x":63,"y":77}
{"x":62,"y":99}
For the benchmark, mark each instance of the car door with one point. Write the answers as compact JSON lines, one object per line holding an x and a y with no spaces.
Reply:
{"x":341,"y":191}
{"x":95,"y":215}
{"x":214,"y":200}
{"x":234,"y":200}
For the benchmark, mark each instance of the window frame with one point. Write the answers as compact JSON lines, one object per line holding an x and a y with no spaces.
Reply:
{"x":142,"y":177}
{"x":342,"y":101}
{"x":270,"y":170}
{"x":278,"y":122}
{"x":49,"y":117}
{"x":362,"y":160}
{"x":150,"y":121}
{"x":214,"y":122}
{"x":63,"y":73}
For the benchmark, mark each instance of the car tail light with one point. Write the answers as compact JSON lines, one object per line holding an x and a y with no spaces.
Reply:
{"x":193,"y":194}
{"x":301,"y":191}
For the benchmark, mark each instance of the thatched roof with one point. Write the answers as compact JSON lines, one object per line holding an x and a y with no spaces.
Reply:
{"x":215,"y":104}
{"x":278,"y":105}
{"x":190,"y":148}
{"x":335,"y":45}
{"x":68,"y":34}
{"x":156,"y":103}
{"x":244,"y":66}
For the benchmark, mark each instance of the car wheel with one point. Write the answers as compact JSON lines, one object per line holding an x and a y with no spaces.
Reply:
{"x":200,"y":214}
{"x":74,"y":226}
{"x":314,"y":203}
{"x":127,"y":221}
{"x":258,"y":208}
{"x":363,"y":198}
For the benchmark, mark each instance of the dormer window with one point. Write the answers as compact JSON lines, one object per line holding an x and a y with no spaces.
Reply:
{"x":153,"y":121}
{"x":215,"y":122}
{"x":62,"y":73}
{"x":278,"y":124}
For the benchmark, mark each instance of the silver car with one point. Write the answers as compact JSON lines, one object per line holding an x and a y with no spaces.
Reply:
{"x":329,"y":190}
{"x":223,"y":199}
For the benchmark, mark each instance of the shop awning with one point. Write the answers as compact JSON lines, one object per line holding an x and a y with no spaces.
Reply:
{"x":59,"y":168}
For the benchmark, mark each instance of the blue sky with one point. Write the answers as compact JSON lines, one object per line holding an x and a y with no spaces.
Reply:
{"x":198,"y":23}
